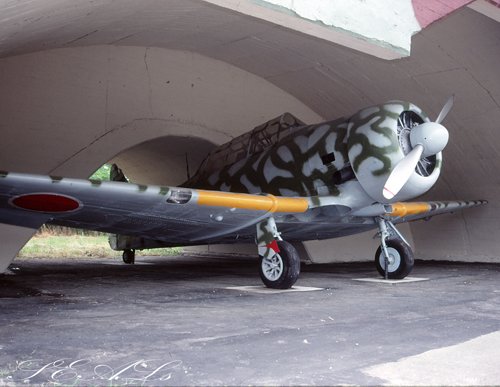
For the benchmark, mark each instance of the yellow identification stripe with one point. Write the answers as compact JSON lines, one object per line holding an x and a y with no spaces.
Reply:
{"x":403,"y":209}
{"x":267,"y":203}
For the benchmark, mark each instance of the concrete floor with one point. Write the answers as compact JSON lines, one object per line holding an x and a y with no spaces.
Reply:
{"x":173,"y":321}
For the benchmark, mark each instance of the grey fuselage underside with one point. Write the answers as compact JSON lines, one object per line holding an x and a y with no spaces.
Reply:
{"x":182,"y":234}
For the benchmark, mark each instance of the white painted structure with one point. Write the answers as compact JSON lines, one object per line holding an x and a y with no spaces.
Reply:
{"x":386,"y":25}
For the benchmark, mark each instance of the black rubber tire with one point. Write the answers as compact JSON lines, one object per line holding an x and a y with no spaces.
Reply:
{"x":291,"y":268}
{"x":406,"y":261}
{"x":128,"y":256}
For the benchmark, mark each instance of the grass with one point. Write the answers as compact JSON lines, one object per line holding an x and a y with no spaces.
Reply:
{"x":48,"y":245}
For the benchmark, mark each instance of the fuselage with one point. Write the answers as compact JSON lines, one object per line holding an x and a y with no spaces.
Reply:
{"x":310,"y":160}
{"x":349,"y":158}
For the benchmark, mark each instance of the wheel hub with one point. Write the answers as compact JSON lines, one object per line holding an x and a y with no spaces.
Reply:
{"x":393,"y":260}
{"x":272,"y":268}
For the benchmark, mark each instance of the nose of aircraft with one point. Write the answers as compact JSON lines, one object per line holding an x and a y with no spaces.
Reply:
{"x":431,"y":135}
{"x":427,"y":139}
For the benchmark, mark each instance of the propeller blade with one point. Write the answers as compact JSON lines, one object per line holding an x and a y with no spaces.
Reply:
{"x":446,"y":109}
{"x":402,"y":172}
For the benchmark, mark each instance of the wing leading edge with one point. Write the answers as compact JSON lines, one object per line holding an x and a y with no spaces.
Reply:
{"x":171,"y":214}
{"x":411,"y":211}
{"x":182,"y":216}
{"x":400,"y":212}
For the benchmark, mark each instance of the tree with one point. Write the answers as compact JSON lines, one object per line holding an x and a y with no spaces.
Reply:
{"x":102,"y":173}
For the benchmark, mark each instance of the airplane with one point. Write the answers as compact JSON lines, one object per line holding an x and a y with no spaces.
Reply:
{"x":281,"y":183}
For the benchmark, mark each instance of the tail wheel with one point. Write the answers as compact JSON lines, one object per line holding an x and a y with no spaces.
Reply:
{"x":281,"y":270}
{"x":128,"y":256}
{"x":400,"y":259}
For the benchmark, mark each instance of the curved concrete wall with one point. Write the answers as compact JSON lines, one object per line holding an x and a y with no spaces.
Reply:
{"x":76,"y":108}
{"x":68,"y":111}
{"x":164,"y":160}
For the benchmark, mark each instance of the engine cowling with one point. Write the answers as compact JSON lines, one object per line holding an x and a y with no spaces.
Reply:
{"x":378,"y":138}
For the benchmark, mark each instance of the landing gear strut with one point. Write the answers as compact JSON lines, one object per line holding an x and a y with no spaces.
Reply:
{"x":394,"y":257}
{"x":128,"y":256}
{"x":279,"y":266}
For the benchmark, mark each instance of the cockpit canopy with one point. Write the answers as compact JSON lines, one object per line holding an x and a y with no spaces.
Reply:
{"x":256,"y":141}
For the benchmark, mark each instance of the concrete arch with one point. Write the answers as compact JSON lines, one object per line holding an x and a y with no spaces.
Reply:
{"x":74,"y":108}
{"x":145,"y":136}
{"x":56,"y":104}
{"x":66,"y":111}
{"x":168,"y":160}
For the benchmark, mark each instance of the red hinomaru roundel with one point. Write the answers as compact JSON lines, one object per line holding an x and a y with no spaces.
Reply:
{"x":45,"y":202}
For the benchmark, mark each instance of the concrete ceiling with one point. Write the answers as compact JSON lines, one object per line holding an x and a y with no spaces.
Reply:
{"x":457,"y":55}
{"x":331,"y":79}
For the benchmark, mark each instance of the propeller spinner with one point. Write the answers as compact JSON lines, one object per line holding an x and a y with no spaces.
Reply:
{"x":426,"y":139}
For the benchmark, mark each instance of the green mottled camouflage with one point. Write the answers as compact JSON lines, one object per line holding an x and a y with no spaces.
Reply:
{"x":290,"y":167}
{"x":368,"y":143}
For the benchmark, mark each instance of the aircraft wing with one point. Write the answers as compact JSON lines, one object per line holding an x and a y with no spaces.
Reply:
{"x":179,"y":216}
{"x":410,"y":211}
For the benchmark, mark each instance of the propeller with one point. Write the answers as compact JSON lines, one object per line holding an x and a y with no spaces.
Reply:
{"x":426,"y":139}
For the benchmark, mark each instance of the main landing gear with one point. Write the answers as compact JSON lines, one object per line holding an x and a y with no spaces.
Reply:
{"x":279,"y":261}
{"x":394,"y":257}
{"x":282,"y":269}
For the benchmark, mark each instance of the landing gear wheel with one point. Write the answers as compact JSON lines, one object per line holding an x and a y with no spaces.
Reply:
{"x":400,"y":259}
{"x":282,"y":270}
{"x":128,"y":256}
